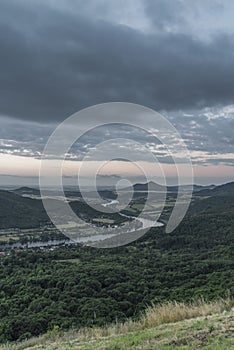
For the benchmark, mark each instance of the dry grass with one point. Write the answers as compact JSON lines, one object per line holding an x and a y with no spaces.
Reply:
{"x":171,"y":312}
{"x":168,"y":312}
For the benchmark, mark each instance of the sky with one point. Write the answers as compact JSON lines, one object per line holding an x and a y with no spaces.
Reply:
{"x":60,"y":56}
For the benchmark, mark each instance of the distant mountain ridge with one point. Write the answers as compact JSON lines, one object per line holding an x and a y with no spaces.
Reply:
{"x":153,"y":186}
{"x":201,"y":190}
{"x":143,"y":187}
{"x":26,"y":190}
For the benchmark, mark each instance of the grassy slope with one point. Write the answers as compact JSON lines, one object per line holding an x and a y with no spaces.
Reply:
{"x":168,"y":326}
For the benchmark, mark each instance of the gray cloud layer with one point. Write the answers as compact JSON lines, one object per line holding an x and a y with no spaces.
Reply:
{"x":59,"y":56}
{"x":54,"y":63}
{"x":207,"y":134}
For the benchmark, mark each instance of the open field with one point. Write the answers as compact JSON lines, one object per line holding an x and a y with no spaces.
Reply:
{"x":70,"y":224}
{"x":103,"y":220}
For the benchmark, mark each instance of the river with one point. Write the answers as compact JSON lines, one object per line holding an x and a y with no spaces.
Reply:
{"x":145,"y":223}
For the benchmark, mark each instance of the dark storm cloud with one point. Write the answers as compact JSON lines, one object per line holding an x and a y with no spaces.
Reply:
{"x":186,"y":15}
{"x":165,"y":14}
{"x":54,"y":63}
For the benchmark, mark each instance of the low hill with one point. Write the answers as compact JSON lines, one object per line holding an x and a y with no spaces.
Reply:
{"x":165,"y":327}
{"x":222,"y":190}
{"x":17,"y":211}
{"x":20,"y":212}
{"x":26,"y":191}
{"x":69,"y":193}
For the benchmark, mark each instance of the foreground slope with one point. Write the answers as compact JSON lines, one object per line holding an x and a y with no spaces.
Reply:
{"x":157,"y":329}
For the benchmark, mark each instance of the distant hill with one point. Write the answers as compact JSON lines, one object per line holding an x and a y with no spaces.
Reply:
{"x":151,"y":186}
{"x":143,"y":187}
